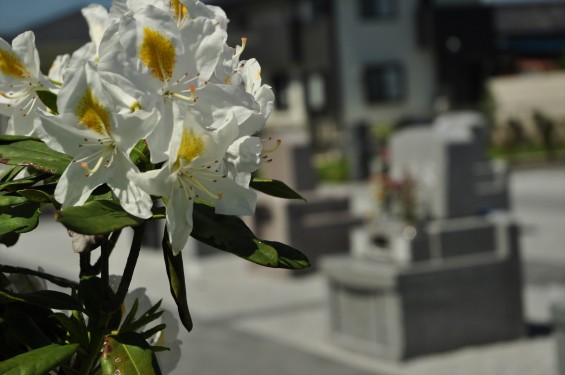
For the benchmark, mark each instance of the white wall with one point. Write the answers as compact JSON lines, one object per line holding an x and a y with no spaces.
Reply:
{"x":363,"y":42}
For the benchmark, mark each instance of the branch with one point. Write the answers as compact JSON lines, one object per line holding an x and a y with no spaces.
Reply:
{"x":65,"y":283}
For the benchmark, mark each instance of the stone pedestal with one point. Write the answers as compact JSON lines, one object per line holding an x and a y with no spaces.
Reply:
{"x":320,"y":227}
{"x":558,"y":312}
{"x":398,"y":311}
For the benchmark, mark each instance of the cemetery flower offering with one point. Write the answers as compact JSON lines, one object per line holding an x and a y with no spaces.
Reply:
{"x":156,"y":118}
{"x":396,"y":198}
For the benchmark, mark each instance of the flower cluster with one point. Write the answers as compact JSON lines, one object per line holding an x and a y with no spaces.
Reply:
{"x":158,"y":71}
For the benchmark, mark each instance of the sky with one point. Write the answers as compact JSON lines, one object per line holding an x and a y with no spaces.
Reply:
{"x":20,"y":15}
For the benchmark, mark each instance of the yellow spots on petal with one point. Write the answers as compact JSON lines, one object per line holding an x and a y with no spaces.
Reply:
{"x":12,"y":66}
{"x":91,"y":114}
{"x":135,"y":106}
{"x":158,"y":53}
{"x":191,"y":146}
{"x":178,"y":9}
{"x":227,"y":80}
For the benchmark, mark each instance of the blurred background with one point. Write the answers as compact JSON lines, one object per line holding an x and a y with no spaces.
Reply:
{"x":428,"y":137}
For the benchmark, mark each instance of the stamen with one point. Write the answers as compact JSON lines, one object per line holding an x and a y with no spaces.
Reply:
{"x":277,"y":145}
{"x":193,"y":96}
{"x":239,"y":49}
{"x":204,"y":188}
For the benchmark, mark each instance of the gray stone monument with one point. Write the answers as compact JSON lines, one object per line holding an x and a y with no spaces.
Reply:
{"x":558,"y":314}
{"x":450,"y":279}
{"x":320,"y":226}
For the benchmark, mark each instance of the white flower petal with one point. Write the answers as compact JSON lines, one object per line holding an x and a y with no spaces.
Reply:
{"x":235,"y":200}
{"x":131,"y":127}
{"x":132,"y":198}
{"x":74,"y":186}
{"x":61,"y":137}
{"x":97,"y":19}
{"x":156,"y":182}
{"x":179,"y":219}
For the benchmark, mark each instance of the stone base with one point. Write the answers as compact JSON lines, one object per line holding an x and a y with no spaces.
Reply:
{"x":317,"y":228}
{"x":398,"y":312}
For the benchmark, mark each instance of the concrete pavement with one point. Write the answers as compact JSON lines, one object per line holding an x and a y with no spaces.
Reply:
{"x":254,"y":321}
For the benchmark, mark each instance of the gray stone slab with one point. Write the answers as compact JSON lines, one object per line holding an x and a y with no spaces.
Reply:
{"x":414,"y":312}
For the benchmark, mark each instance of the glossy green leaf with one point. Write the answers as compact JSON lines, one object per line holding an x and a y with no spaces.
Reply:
{"x":94,"y":294}
{"x":175,"y":273}
{"x":49,"y":99}
{"x":11,"y":200}
{"x":36,"y":155}
{"x":22,"y":183}
{"x":229,"y":233}
{"x":274,"y":188}
{"x":133,"y":324}
{"x":20,"y":218}
{"x":9,"y":239}
{"x":6,"y":139}
{"x":128,"y":354}
{"x":37,"y":195}
{"x":50,"y":299}
{"x":11,"y":173}
{"x":39,"y":361}
{"x":75,"y":328}
{"x":96,"y":217}
{"x":27,"y":330}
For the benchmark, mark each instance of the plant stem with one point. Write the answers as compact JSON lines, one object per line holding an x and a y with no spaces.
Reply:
{"x":130,"y":266}
{"x":99,"y":333}
{"x":65,"y":283}
{"x":96,"y":342}
{"x":110,"y":243}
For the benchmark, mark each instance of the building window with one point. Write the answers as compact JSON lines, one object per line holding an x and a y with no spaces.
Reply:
{"x":384,"y":83}
{"x":378,"y":9}
{"x":280,"y":88}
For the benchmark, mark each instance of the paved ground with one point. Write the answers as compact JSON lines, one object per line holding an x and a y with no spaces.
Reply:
{"x":251,"y":321}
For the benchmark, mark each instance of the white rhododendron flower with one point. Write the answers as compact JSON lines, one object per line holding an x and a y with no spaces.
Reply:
{"x":170,"y":64}
{"x":157,"y":71}
{"x":195,"y":170}
{"x":92,"y":129}
{"x":20,"y":79}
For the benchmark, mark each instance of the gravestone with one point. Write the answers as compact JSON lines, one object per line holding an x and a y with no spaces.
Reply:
{"x":450,"y":279}
{"x":448,"y":159}
{"x":319,"y":226}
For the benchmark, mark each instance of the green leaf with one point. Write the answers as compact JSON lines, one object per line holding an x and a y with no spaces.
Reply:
{"x":150,"y":315}
{"x":274,"y":188}
{"x":11,"y":200}
{"x":127,"y":353}
{"x":39,"y":361}
{"x":152,"y":331}
{"x":9,"y":239}
{"x":229,"y":233}
{"x":11,"y":173}
{"x":22,"y":183}
{"x":94,"y":294}
{"x":96,"y":217}
{"x":75,"y":328}
{"x":37,"y":195}
{"x":36,"y":155}
{"x":49,"y":99}
{"x":26,"y":329}
{"x":7,"y":139}
{"x":175,"y":273}
{"x":50,"y":299}
{"x":19,"y":218}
